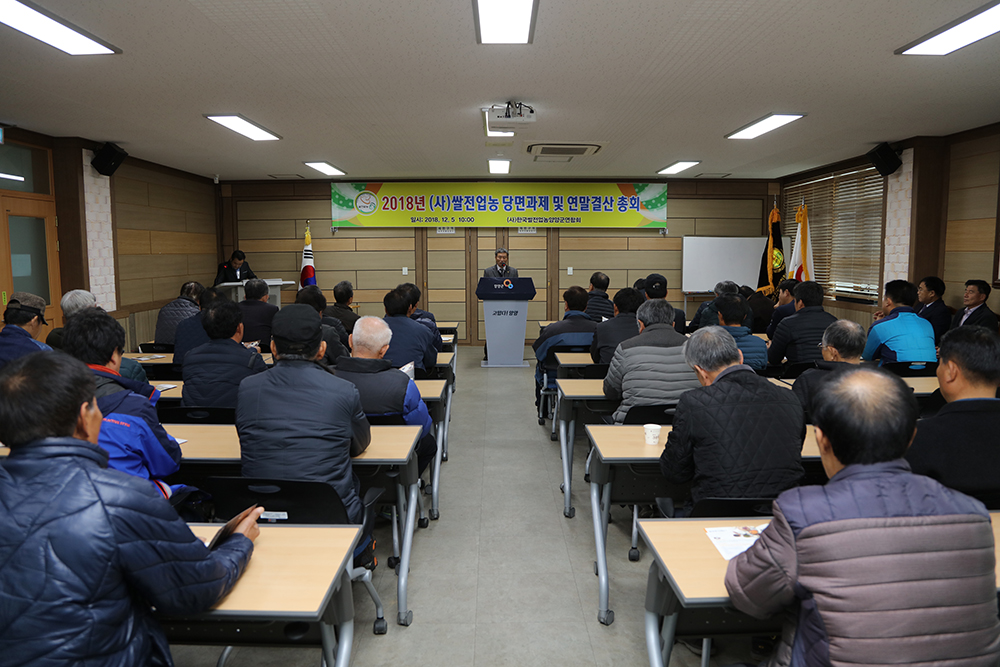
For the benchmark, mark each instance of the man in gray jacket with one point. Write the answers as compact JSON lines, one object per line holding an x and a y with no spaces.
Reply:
{"x":649,"y":369}
{"x":879,"y":566}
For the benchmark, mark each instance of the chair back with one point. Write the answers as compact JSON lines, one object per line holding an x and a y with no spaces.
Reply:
{"x":650,"y":414}
{"x":302,"y":502}
{"x":386,"y":420}
{"x":792,"y":371}
{"x":162,"y":372}
{"x":595,"y":371}
{"x":196,"y":415}
{"x":736,"y":507}
{"x":909,"y":369}
{"x":156,"y":348}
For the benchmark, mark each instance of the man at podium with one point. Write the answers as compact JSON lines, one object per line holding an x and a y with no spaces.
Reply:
{"x":501,"y":269}
{"x":235,"y":270}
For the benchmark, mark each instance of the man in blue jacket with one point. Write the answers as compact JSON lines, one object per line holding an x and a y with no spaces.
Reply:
{"x":23,"y":318}
{"x":132,"y":435}
{"x":411,"y":341}
{"x":901,"y":335}
{"x":575,"y":328}
{"x":213,"y":371}
{"x":88,"y":552}
{"x":733,"y":310}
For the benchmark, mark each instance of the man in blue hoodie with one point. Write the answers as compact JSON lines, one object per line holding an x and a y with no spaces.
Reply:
{"x":131,"y":432}
{"x":901,"y":334}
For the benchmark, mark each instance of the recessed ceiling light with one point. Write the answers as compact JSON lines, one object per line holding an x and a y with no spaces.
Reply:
{"x":677,"y":167}
{"x":49,"y":28}
{"x":499,"y":166}
{"x":247,"y":128}
{"x":505,"y":21}
{"x":766,"y":124}
{"x":493,"y":133}
{"x":325,"y":167}
{"x":12,"y":177}
{"x":961,"y":32}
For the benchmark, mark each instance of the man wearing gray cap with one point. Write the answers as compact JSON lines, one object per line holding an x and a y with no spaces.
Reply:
{"x":24,"y":318}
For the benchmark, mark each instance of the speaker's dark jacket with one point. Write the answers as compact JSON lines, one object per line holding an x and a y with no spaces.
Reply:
{"x":227,"y":274}
{"x":257,"y":316}
{"x":982,"y":317}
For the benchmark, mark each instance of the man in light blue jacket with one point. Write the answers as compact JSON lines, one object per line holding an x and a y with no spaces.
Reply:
{"x":901,"y":334}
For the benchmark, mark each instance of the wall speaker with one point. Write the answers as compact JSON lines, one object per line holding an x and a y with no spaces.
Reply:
{"x":108,"y":159}
{"x":884,"y":158}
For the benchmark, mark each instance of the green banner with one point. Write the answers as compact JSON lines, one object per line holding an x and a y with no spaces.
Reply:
{"x":499,"y":204}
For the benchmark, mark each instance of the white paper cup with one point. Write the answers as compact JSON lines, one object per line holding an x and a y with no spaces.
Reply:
{"x":652,"y":433}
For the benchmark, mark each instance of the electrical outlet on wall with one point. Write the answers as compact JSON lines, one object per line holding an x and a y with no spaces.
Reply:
{"x":569,"y":270}
{"x":406,"y":271}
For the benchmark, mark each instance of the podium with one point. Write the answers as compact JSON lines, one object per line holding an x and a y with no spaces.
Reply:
{"x":235,"y":290}
{"x":505,"y":310}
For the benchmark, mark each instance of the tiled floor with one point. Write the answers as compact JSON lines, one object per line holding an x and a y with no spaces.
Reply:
{"x":502,"y":578}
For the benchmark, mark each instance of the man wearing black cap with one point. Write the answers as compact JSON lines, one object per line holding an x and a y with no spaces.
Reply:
{"x":655,"y":287}
{"x":24,"y":317}
{"x":297,"y":420}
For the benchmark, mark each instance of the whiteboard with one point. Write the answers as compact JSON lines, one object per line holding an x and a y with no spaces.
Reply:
{"x":710,"y":259}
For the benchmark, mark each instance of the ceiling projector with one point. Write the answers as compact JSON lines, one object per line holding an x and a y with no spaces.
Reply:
{"x":507,"y":118}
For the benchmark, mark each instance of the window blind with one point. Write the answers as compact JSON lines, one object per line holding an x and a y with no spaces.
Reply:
{"x":845,"y":229}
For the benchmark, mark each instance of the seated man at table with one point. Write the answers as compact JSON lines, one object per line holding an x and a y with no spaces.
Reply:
{"x":88,"y":552}
{"x":737,"y":436}
{"x":23,"y":318}
{"x":785,"y":306}
{"x":599,"y":307}
{"x":343,"y":297}
{"x":958,"y":446}
{"x":708,"y":312}
{"x":131,"y":434}
{"x":257,"y":313}
{"x":879,"y":566}
{"x":190,"y":332}
{"x":649,"y":369}
{"x":842,"y":345}
{"x":299,"y":421}
{"x":412,"y":293}
{"x":178,"y":310}
{"x":386,"y":390}
{"x":761,"y":307}
{"x":411,"y":341}
{"x":334,"y":333}
{"x":900,"y":334}
{"x":932,"y":308}
{"x":213,"y":371}
{"x":975,"y":312}
{"x":654,"y":286}
{"x":732,"y":313}
{"x":575,"y":328}
{"x":608,"y":335}
{"x":797,"y":337}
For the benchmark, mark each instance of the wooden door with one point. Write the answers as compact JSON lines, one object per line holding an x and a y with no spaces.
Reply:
{"x":29,"y":260}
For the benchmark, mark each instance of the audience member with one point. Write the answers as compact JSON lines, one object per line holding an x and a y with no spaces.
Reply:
{"x":88,"y":552}
{"x":131,"y":434}
{"x":932,"y":308}
{"x":599,"y":306}
{"x":621,"y":327}
{"x":958,"y":446}
{"x":640,"y":286}
{"x":708,"y":312}
{"x":334,"y":334}
{"x":649,"y":369}
{"x":411,"y":341}
{"x":761,"y":307}
{"x":798,"y":336}
{"x":257,"y":313}
{"x":385,"y":390}
{"x":299,"y":421}
{"x":575,"y":328}
{"x":655,"y":287}
{"x":785,"y":307}
{"x":24,"y":318}
{"x":879,"y":566}
{"x":343,"y":297}
{"x":213,"y":371}
{"x":412,"y":293}
{"x":841,"y":346}
{"x":190,"y":332}
{"x":178,"y":310}
{"x":235,"y":270}
{"x":732,"y":312}
{"x":900,"y":334}
{"x":975,"y":310}
{"x":737,"y":436}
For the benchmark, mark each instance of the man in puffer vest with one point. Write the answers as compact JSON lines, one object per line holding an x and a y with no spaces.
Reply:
{"x":879,"y":566}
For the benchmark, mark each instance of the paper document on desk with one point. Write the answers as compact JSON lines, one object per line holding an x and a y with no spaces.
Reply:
{"x":731,"y":541}
{"x":408,"y":369}
{"x":165,"y":387}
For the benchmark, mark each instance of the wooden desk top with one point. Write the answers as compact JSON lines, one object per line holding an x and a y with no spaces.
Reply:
{"x":544,"y":323}
{"x":762,"y":336}
{"x":431,"y":390}
{"x":923,"y":385}
{"x":575,"y":389}
{"x":170,"y":393}
{"x":445,"y":358}
{"x":292,"y":571}
{"x":168,"y":357}
{"x":627,"y":443}
{"x":447,"y":339}
{"x":390,"y":445}
{"x":574,"y":359}
{"x":447,"y":325}
{"x":784,"y":384}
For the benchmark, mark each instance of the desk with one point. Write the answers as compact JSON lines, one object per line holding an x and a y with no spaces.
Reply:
{"x":434,"y":394}
{"x":170,"y":395}
{"x":544,"y":323}
{"x":570,"y":392}
{"x":448,"y":340}
{"x":921,"y":386}
{"x":161,"y":358}
{"x":567,"y":360}
{"x":390,"y":446}
{"x":448,"y":327}
{"x":447,"y":361}
{"x":762,"y":336}
{"x":297,"y":574}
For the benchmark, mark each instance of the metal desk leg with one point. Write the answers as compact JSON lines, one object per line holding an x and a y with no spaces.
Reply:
{"x":604,"y":615}
{"x":661,"y":603}
{"x":447,"y":420}
{"x":403,"y":614}
{"x":436,"y":477}
{"x":337,"y":624}
{"x":567,"y":463}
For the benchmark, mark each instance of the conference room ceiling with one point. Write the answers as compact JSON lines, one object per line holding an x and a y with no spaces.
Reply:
{"x":390,"y":89}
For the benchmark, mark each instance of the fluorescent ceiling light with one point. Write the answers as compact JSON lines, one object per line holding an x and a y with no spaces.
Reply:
{"x":505,"y":21}
{"x":12,"y":177}
{"x":248,"y":129}
{"x":499,"y":166}
{"x":43,"y":26}
{"x":764,"y":125}
{"x":493,"y":133}
{"x":325,"y":167}
{"x":677,"y":167}
{"x":963,"y":31}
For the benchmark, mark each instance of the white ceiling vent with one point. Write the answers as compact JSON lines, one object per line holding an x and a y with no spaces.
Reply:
{"x":287,"y":177}
{"x":565,"y":150}
{"x":553,"y":158}
{"x":708,"y":174}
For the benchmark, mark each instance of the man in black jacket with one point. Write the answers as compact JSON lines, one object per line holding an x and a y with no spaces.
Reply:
{"x":237,"y":269}
{"x":88,"y":552}
{"x":975,"y":310}
{"x":609,"y":335}
{"x":785,"y":306}
{"x":932,"y":308}
{"x":655,"y":287}
{"x":190,"y":332}
{"x":738,"y":436}
{"x":334,"y":334}
{"x":599,"y":307}
{"x":257,"y":313}
{"x":958,"y":446}
{"x":213,"y":371}
{"x":178,"y":310}
{"x":343,"y":296}
{"x":842,"y":345}
{"x":799,"y":335}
